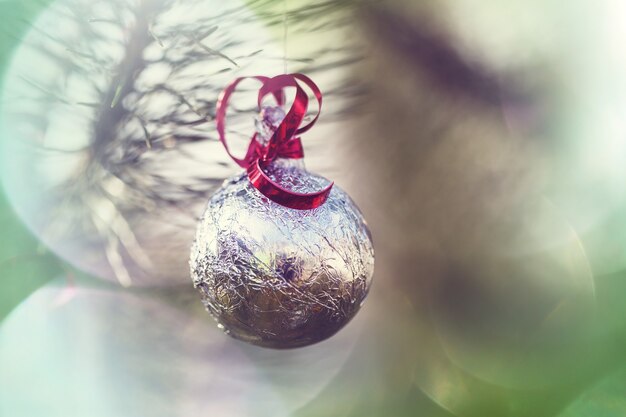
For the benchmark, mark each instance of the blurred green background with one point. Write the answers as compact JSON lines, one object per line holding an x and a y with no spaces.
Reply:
{"x":26,"y":265}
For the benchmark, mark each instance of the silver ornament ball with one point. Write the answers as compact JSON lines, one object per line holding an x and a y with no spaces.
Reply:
{"x":279,"y":277}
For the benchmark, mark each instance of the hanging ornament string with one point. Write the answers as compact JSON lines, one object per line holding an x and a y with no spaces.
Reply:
{"x":284,"y":143}
{"x":285,"y":29}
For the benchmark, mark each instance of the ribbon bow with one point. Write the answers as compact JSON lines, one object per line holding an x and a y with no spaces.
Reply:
{"x":284,"y":143}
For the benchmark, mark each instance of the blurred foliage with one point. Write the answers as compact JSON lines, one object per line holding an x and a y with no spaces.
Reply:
{"x":24,"y":264}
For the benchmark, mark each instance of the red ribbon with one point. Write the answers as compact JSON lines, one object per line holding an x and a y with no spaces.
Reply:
{"x":284,"y":143}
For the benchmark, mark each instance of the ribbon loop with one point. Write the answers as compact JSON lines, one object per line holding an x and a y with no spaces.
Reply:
{"x":282,"y":144}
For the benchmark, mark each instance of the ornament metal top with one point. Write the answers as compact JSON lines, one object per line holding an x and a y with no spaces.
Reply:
{"x":282,"y":257}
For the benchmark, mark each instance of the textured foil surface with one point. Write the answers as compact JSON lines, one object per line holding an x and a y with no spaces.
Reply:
{"x":279,"y":277}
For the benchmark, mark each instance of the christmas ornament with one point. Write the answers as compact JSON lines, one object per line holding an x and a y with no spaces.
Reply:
{"x":282,"y":258}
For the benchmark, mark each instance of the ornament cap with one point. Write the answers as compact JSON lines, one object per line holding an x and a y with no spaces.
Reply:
{"x":283,"y":141}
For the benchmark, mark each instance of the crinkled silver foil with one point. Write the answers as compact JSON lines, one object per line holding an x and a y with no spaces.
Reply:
{"x":279,"y":277}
